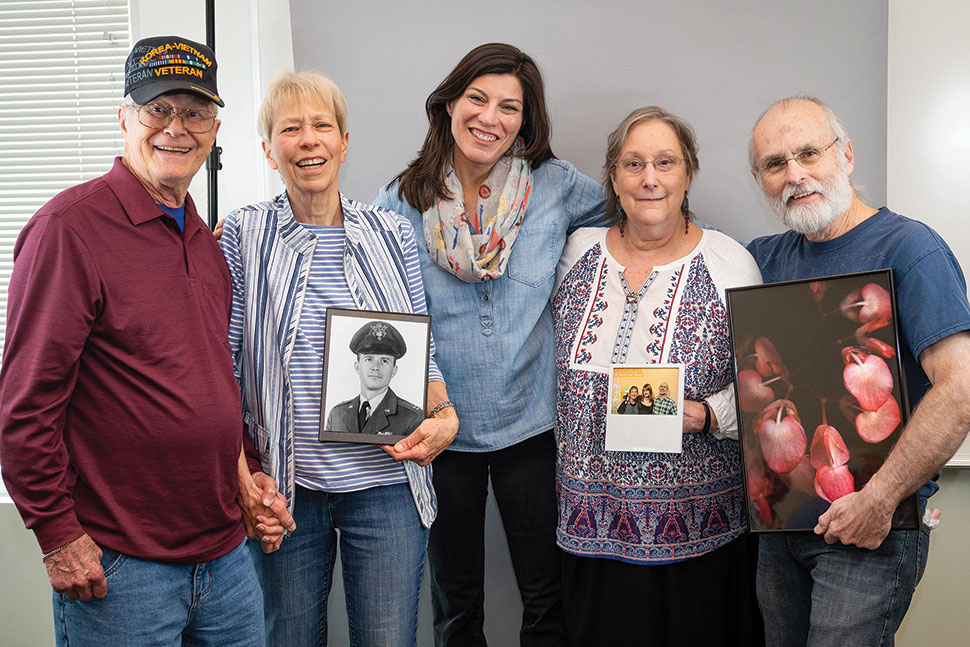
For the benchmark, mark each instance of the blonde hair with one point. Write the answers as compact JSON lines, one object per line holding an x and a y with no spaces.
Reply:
{"x":304,"y":88}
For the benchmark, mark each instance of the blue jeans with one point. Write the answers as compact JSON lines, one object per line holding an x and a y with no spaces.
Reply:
{"x":523,"y":481}
{"x":815,"y":594}
{"x":382,"y":550}
{"x":155,"y":603}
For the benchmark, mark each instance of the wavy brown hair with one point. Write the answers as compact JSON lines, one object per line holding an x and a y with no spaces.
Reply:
{"x":423,"y":181}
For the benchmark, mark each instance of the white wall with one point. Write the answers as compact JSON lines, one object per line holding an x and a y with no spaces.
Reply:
{"x":26,"y":616}
{"x":716,"y":64}
{"x":928,"y":148}
{"x":929,"y":121}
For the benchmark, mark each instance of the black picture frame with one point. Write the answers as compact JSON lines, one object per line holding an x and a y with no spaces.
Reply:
{"x":405,"y":403}
{"x":817,"y":355}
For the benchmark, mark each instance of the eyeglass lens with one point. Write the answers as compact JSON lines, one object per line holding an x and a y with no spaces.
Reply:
{"x":636,"y":166}
{"x":160,"y":115}
{"x":805,"y":158}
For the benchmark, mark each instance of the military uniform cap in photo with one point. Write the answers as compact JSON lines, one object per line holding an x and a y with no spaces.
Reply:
{"x":378,"y":338}
{"x":170,"y":64}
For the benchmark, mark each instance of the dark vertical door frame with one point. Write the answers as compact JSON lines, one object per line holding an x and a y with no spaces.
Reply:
{"x":214,"y":164}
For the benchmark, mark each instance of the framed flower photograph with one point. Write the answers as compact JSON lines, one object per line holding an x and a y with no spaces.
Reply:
{"x":820,"y":393}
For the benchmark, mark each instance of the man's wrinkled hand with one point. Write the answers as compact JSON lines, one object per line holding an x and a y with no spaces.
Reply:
{"x":76,"y":571}
{"x":264,"y":512}
{"x":856,"y":519}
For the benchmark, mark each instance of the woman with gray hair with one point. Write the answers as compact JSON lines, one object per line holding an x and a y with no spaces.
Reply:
{"x":292,"y":258}
{"x":648,"y":536}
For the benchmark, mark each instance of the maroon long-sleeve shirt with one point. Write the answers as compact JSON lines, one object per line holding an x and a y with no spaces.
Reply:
{"x":119,"y":413}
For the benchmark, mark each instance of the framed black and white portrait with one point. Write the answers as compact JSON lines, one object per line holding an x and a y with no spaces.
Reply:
{"x":375,"y":375}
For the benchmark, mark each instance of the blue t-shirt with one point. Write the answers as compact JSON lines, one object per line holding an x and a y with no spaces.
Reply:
{"x":931,"y":292}
{"x":176,"y":212}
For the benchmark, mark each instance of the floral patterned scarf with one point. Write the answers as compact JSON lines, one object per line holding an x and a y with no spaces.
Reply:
{"x":455,"y":246}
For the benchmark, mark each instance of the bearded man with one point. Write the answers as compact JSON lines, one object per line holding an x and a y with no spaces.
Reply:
{"x":852,"y":581}
{"x":662,"y":404}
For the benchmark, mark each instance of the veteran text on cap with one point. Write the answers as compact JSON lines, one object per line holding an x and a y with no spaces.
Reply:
{"x":170,"y":64}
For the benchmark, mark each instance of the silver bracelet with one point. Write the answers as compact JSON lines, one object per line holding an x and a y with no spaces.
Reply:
{"x":441,"y":405}
{"x":55,"y":551}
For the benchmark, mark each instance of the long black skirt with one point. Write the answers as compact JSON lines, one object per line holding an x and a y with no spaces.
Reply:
{"x":707,"y":601}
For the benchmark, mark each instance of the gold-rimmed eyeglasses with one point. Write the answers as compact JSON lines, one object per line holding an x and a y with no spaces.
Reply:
{"x":662,"y":164}
{"x":158,"y":115}
{"x":806,"y":158}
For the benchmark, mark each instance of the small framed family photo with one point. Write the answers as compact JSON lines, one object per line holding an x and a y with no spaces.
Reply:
{"x":820,"y":394}
{"x":375,"y":375}
{"x":646,"y":412}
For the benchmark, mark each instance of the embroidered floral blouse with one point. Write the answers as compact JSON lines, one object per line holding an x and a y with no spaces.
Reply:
{"x":643,"y":507}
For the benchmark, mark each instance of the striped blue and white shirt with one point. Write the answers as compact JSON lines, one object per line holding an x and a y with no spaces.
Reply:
{"x":273,"y":262}
{"x":331,"y":467}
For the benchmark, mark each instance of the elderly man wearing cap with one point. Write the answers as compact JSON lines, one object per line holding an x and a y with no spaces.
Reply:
{"x":377,"y":410}
{"x":120,"y":424}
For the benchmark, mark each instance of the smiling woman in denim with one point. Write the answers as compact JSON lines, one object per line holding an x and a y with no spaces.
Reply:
{"x":495,"y":206}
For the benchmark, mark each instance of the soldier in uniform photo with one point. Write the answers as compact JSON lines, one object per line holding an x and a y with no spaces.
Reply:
{"x":377,"y":410}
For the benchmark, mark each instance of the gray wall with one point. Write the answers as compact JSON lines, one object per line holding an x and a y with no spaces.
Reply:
{"x":716,"y":64}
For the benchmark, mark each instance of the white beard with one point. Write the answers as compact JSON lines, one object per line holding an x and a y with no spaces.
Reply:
{"x":836,"y":194}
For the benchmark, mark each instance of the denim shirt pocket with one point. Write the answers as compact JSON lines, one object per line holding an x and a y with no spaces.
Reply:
{"x":535,"y":253}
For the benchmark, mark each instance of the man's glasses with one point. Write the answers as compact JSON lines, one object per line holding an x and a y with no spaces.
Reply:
{"x":806,"y":158}
{"x":158,"y":115}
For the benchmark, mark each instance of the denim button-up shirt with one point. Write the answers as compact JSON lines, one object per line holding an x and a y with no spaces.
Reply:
{"x":495,"y":338}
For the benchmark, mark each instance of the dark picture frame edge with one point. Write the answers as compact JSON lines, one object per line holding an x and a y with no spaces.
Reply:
{"x":906,"y":516}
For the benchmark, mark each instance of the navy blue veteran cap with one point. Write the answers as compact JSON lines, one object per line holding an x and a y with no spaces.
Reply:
{"x":378,"y":338}
{"x":170,"y":64}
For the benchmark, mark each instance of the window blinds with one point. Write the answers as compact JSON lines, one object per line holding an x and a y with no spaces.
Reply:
{"x":61,"y":80}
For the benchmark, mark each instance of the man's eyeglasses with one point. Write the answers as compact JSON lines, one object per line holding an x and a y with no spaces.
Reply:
{"x":662,"y":164}
{"x":158,"y":115}
{"x":806,"y":158}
